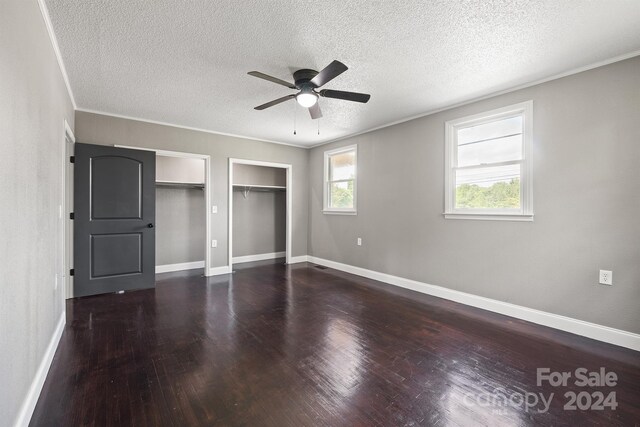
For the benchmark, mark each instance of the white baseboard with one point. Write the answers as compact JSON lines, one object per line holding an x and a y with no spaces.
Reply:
{"x":259,"y":257}
{"x":30,"y":400}
{"x":166,"y":268}
{"x":297,"y":259}
{"x":216,"y":271}
{"x":568,"y":324}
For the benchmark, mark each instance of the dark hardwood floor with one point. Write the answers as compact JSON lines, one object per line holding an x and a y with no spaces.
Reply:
{"x":276,"y":345}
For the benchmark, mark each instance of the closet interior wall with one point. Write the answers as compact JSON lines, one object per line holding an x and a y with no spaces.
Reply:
{"x":180,"y":210}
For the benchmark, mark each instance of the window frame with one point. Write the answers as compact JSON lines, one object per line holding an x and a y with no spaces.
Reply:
{"x":326,"y":183}
{"x":525,"y":212}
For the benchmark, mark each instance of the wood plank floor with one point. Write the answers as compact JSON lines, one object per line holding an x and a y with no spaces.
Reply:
{"x":276,"y":345}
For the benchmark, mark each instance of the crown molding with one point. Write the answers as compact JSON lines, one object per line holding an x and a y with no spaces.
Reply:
{"x":56,"y":50}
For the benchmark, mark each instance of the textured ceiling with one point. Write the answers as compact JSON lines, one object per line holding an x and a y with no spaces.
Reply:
{"x":186,"y":62}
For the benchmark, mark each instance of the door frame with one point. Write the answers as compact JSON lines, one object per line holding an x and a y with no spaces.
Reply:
{"x":207,"y":193}
{"x":289,"y":198}
{"x":66,"y":206}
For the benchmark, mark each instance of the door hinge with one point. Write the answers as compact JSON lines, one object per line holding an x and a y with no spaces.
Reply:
{"x":72,"y":159}
{"x":71,"y":272}
{"x":71,"y":216}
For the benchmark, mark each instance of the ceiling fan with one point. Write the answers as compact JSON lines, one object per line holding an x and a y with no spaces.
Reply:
{"x":306,"y":83}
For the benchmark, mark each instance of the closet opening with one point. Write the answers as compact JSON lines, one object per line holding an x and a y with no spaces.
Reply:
{"x":259,"y":211}
{"x":183,"y":224}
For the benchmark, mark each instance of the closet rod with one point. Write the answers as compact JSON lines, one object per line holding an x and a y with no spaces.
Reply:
{"x":245,"y":189}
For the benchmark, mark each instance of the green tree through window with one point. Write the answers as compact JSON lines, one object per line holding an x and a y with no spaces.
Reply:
{"x":498,"y":195}
{"x":342,"y":197}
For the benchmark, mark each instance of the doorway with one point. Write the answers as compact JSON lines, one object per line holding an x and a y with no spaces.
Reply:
{"x":280,"y":188}
{"x":177,"y":186}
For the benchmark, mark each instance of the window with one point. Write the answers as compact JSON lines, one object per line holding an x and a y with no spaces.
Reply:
{"x":488,"y":165}
{"x":340,"y":180}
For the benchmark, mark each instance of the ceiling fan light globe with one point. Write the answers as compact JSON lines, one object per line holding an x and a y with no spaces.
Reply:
{"x":306,"y":99}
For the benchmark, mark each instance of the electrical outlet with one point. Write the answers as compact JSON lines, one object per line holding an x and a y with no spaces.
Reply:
{"x":606,"y":277}
{"x":214,"y":209}
{"x":214,"y":243}
{"x":359,"y":242}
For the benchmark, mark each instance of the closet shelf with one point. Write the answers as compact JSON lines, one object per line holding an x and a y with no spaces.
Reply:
{"x":171,"y":184}
{"x":261,"y":188}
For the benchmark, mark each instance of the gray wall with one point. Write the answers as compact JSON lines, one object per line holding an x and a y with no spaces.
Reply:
{"x":259,"y":222}
{"x":101,"y":129}
{"x":180,"y":225}
{"x":586,"y":203}
{"x":33,"y":105}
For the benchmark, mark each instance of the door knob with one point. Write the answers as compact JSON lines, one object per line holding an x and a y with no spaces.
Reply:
{"x":150,"y":225}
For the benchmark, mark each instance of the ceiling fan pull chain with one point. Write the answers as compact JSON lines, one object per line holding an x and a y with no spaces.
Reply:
{"x":318,"y":126}
{"x":295,"y":111}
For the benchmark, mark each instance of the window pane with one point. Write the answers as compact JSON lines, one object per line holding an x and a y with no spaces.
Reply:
{"x":488,"y":188}
{"x":490,"y":151}
{"x":342,"y":166}
{"x":495,"y":129}
{"x":341,"y":194}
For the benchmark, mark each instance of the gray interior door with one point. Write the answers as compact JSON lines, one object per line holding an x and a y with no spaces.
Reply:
{"x":114,"y":217}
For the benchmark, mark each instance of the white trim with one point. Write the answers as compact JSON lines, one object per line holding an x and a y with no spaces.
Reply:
{"x":65,"y":278}
{"x":173,"y":125}
{"x":289,"y":208}
{"x":339,"y":212}
{"x":69,"y":132}
{"x":208,"y":191}
{"x":563,"y":323}
{"x":258,"y":257}
{"x":217,"y":271}
{"x":29,"y":403}
{"x":488,"y":96}
{"x":166,"y":268}
{"x":489,"y":217}
{"x":325,"y":184}
{"x":166,"y":152}
{"x":56,"y":49}
{"x":260,"y":163}
{"x":297,"y":259}
{"x":525,"y":212}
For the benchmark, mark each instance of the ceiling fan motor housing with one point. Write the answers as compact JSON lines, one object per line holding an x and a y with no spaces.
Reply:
{"x":303,"y":78}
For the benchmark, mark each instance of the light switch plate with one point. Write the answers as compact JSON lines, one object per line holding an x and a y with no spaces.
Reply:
{"x":214,"y":209}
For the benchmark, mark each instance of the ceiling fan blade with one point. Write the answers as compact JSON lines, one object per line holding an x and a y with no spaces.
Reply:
{"x":264,"y":76}
{"x":329,"y":73}
{"x":347,"y":96}
{"x":274,"y":102}
{"x":315,"y":111}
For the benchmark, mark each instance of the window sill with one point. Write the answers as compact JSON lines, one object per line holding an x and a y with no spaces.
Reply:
{"x":332,"y":212}
{"x":490,"y":217}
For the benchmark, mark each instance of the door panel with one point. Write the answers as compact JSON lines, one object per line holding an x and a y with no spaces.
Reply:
{"x":114,"y":238}
{"x":116,"y":254}
{"x":116,"y":183}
